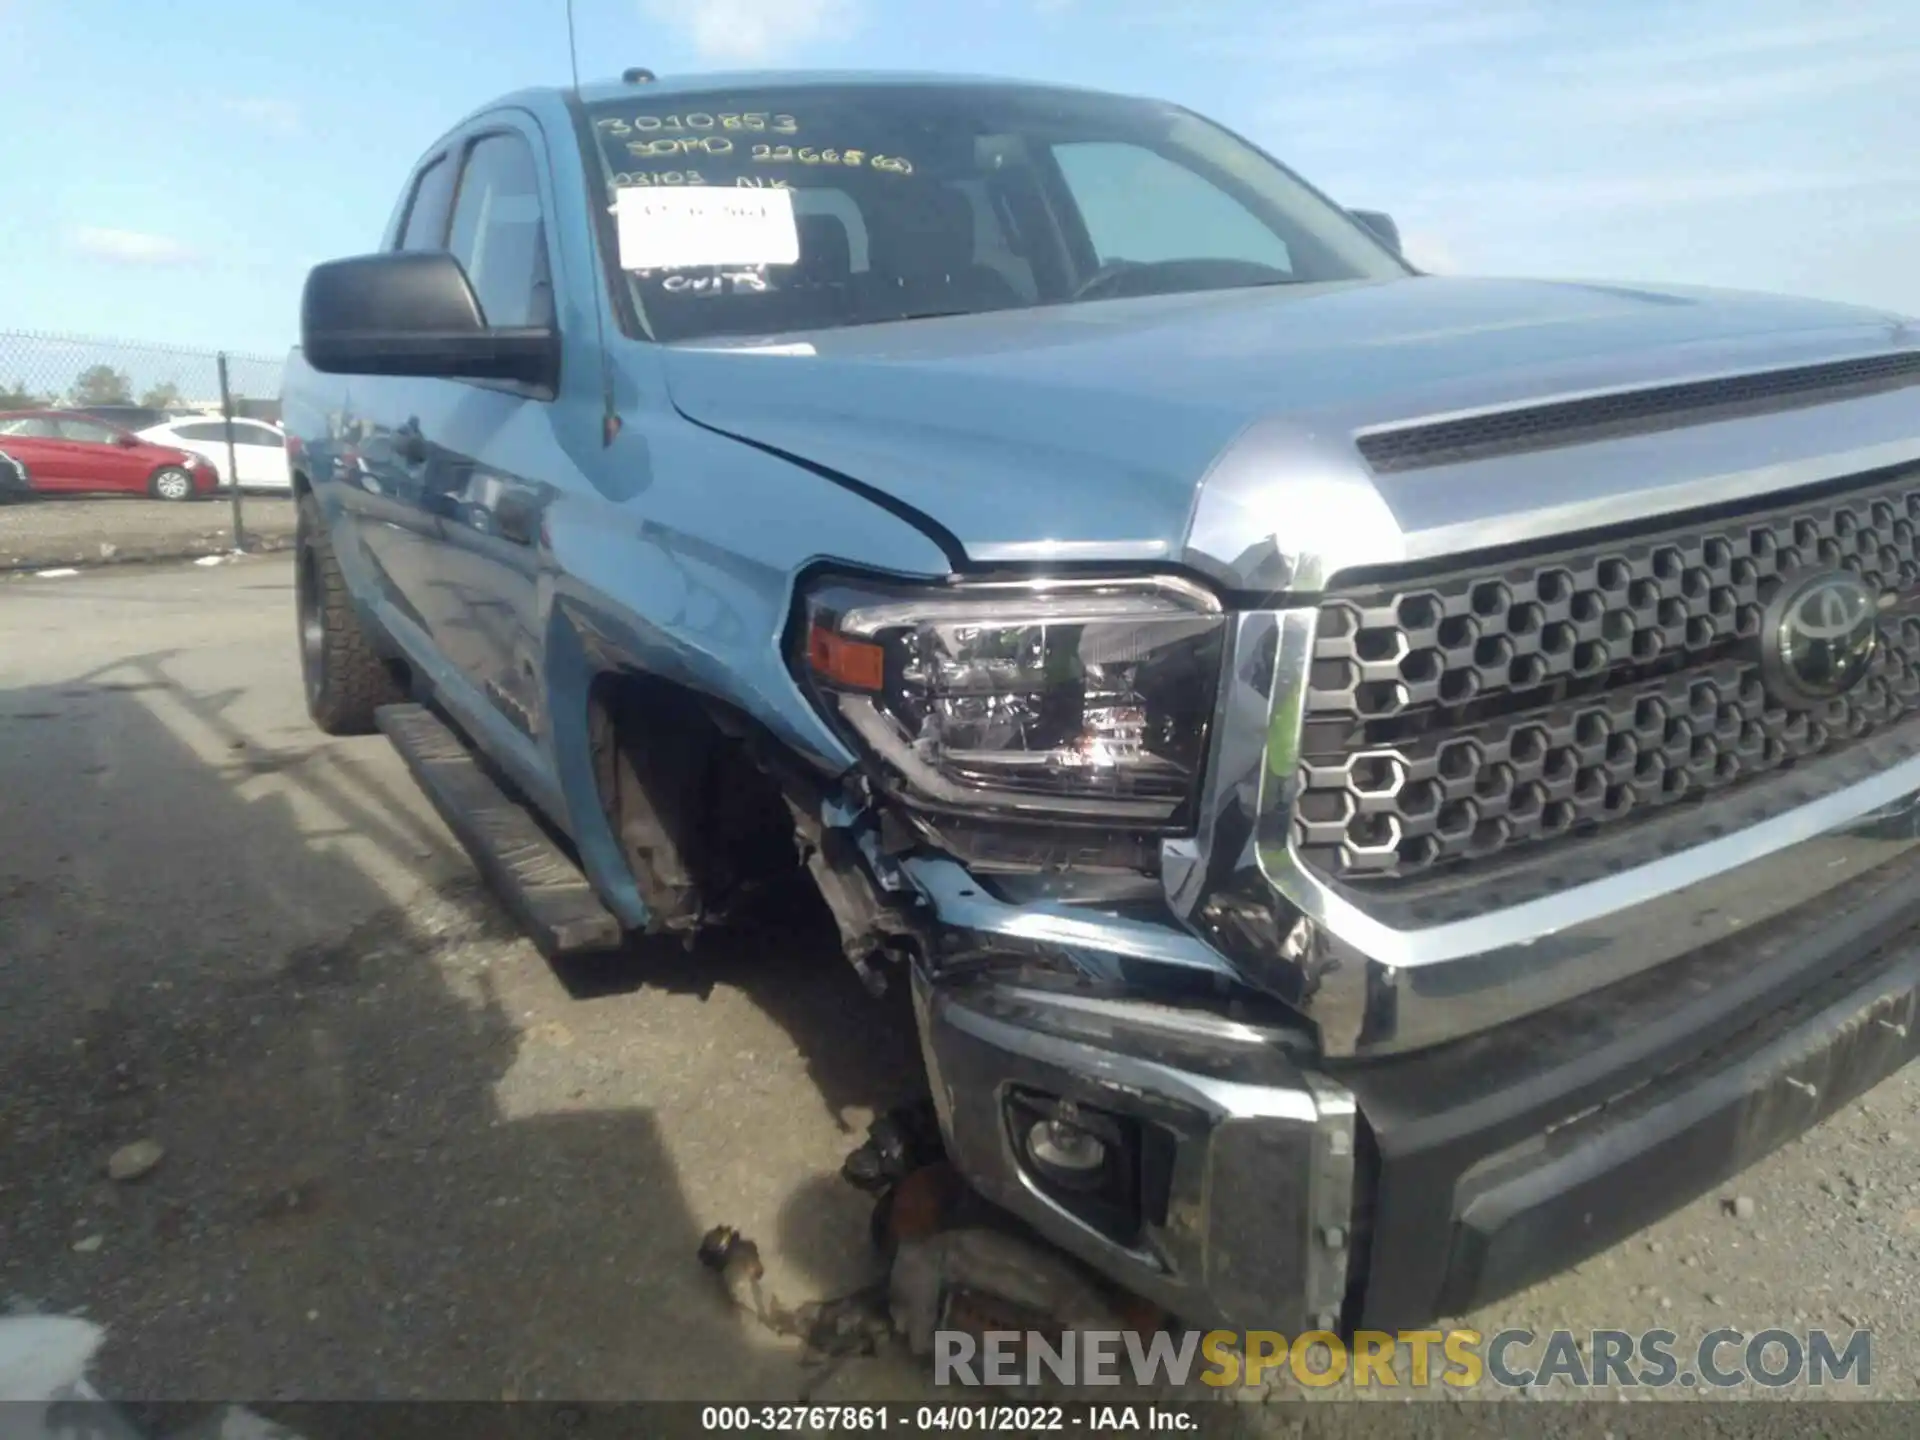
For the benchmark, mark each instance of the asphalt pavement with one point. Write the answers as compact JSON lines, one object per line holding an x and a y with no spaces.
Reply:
{"x":403,"y":1157}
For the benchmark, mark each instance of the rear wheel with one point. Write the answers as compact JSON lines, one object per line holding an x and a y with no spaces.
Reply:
{"x":15,"y":484}
{"x":345,"y":677}
{"x":170,"y":482}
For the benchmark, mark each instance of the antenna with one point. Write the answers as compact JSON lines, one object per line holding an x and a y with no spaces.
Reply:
{"x":573,"y":50}
{"x":609,"y":417}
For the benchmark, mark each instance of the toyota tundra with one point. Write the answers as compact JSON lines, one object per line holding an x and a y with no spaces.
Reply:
{"x":1379,"y":785}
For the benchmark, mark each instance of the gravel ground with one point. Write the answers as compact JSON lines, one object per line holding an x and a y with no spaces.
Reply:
{"x":111,"y":529}
{"x":405,"y":1158}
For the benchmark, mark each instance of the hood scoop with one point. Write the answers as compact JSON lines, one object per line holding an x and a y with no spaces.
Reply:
{"x":1635,"y":412}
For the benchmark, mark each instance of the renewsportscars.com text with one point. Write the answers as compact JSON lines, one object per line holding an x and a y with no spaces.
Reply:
{"x":1462,"y":1359}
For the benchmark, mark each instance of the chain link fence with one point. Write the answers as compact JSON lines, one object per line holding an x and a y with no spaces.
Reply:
{"x":112,"y":451}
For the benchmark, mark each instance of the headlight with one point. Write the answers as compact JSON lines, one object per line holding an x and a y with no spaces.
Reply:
{"x":1063,"y":699}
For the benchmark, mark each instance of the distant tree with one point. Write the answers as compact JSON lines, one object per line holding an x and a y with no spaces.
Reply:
{"x":18,"y":397}
{"x":163,"y":396}
{"x":101,"y":385}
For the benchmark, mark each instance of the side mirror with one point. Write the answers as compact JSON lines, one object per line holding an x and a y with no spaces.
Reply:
{"x":124,"y":440}
{"x":1382,"y":226}
{"x":414,"y":313}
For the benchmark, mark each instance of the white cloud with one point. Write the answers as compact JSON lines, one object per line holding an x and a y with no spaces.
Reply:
{"x":1372,"y":35}
{"x":753,"y":31}
{"x":280,"y":117}
{"x":1709,"y":96}
{"x":132,"y":247}
{"x":1559,"y":195}
{"x":1428,"y":252}
{"x":1719,"y":37}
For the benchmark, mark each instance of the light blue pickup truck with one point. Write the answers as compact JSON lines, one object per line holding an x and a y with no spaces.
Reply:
{"x":1380,"y":785}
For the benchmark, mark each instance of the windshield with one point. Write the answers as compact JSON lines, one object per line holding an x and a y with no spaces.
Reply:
{"x":762,"y":211}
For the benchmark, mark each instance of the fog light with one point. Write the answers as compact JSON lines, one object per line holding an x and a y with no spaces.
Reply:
{"x":1065,"y":1153}
{"x":1088,"y":1160}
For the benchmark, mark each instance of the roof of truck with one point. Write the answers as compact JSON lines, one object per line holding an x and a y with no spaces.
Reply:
{"x":595,"y":91}
{"x":549,"y":99}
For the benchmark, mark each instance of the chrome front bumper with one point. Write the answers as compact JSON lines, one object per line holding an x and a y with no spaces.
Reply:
{"x":1252,"y":1224}
{"x":1371,"y":986}
{"x":1667,"y":1020}
{"x":1297,"y":1193}
{"x":1264,"y":1120}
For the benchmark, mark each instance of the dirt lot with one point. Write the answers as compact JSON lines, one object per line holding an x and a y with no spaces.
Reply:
{"x":94,"y":530}
{"x":406,"y":1158}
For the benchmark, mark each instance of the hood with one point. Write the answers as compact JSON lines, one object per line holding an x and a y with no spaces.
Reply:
{"x":1085,"y":431}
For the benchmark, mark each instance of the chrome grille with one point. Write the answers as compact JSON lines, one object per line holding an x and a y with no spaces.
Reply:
{"x":1468,"y":715}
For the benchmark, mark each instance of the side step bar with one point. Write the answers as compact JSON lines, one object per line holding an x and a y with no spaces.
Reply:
{"x":536,"y":880}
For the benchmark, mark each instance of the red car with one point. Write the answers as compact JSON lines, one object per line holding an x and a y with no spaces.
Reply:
{"x":64,"y":452}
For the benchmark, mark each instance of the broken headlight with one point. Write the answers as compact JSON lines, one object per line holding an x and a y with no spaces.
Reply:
{"x":1050,"y":700}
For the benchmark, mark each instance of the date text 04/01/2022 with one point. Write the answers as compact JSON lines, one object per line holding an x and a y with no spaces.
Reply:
{"x":913,"y":1419}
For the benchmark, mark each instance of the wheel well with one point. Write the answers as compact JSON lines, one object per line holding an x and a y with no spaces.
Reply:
{"x":686,"y":788}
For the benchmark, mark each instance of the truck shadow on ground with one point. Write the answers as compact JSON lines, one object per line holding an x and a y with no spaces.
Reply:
{"x":860,"y":1049}
{"x":345,"y":1208}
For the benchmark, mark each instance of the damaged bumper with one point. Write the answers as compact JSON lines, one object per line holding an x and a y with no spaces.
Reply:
{"x":1259,"y":1186}
{"x":1226,"y":1178}
{"x":1333,"y":1109}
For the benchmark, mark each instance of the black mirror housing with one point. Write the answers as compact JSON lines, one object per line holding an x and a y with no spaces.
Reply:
{"x":413,"y":312}
{"x":1382,"y":226}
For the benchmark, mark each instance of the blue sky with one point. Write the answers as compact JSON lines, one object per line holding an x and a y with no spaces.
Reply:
{"x":172,"y":170}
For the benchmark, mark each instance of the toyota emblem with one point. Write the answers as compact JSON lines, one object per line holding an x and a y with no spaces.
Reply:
{"x":1819,"y":637}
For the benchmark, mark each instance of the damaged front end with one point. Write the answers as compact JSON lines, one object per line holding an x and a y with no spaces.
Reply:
{"x":1098,"y":1071}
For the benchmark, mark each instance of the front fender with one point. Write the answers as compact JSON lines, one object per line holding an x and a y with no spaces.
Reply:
{"x":688,"y":575}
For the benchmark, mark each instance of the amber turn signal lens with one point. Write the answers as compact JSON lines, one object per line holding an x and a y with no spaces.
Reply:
{"x":852,"y":663}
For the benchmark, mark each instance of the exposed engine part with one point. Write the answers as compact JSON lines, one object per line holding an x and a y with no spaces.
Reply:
{"x":980,"y":1279}
{"x":898,"y":1143}
{"x":854,"y":1324}
{"x":736,"y":1260}
{"x":870,"y":929}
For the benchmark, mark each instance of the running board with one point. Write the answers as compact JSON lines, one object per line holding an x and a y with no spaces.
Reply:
{"x":536,"y":880}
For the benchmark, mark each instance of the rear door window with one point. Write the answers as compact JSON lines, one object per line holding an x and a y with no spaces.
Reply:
{"x":250,"y":433}
{"x":89,"y":432}
{"x":31,"y":427}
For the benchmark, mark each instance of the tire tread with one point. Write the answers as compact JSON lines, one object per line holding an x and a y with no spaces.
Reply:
{"x":355,"y":681}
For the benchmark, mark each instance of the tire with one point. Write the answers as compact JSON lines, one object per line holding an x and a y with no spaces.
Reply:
{"x":170,"y":482}
{"x":345,"y":678}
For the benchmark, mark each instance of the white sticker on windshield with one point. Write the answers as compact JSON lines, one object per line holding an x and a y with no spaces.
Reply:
{"x":665,"y":228}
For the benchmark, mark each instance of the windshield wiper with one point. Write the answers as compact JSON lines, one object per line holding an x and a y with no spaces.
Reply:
{"x":911,"y":315}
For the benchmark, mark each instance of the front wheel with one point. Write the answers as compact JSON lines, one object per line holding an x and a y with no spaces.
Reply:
{"x":346,"y":680}
{"x":170,"y":482}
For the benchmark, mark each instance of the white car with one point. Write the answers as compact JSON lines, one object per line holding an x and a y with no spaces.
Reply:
{"x":259,"y":448}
